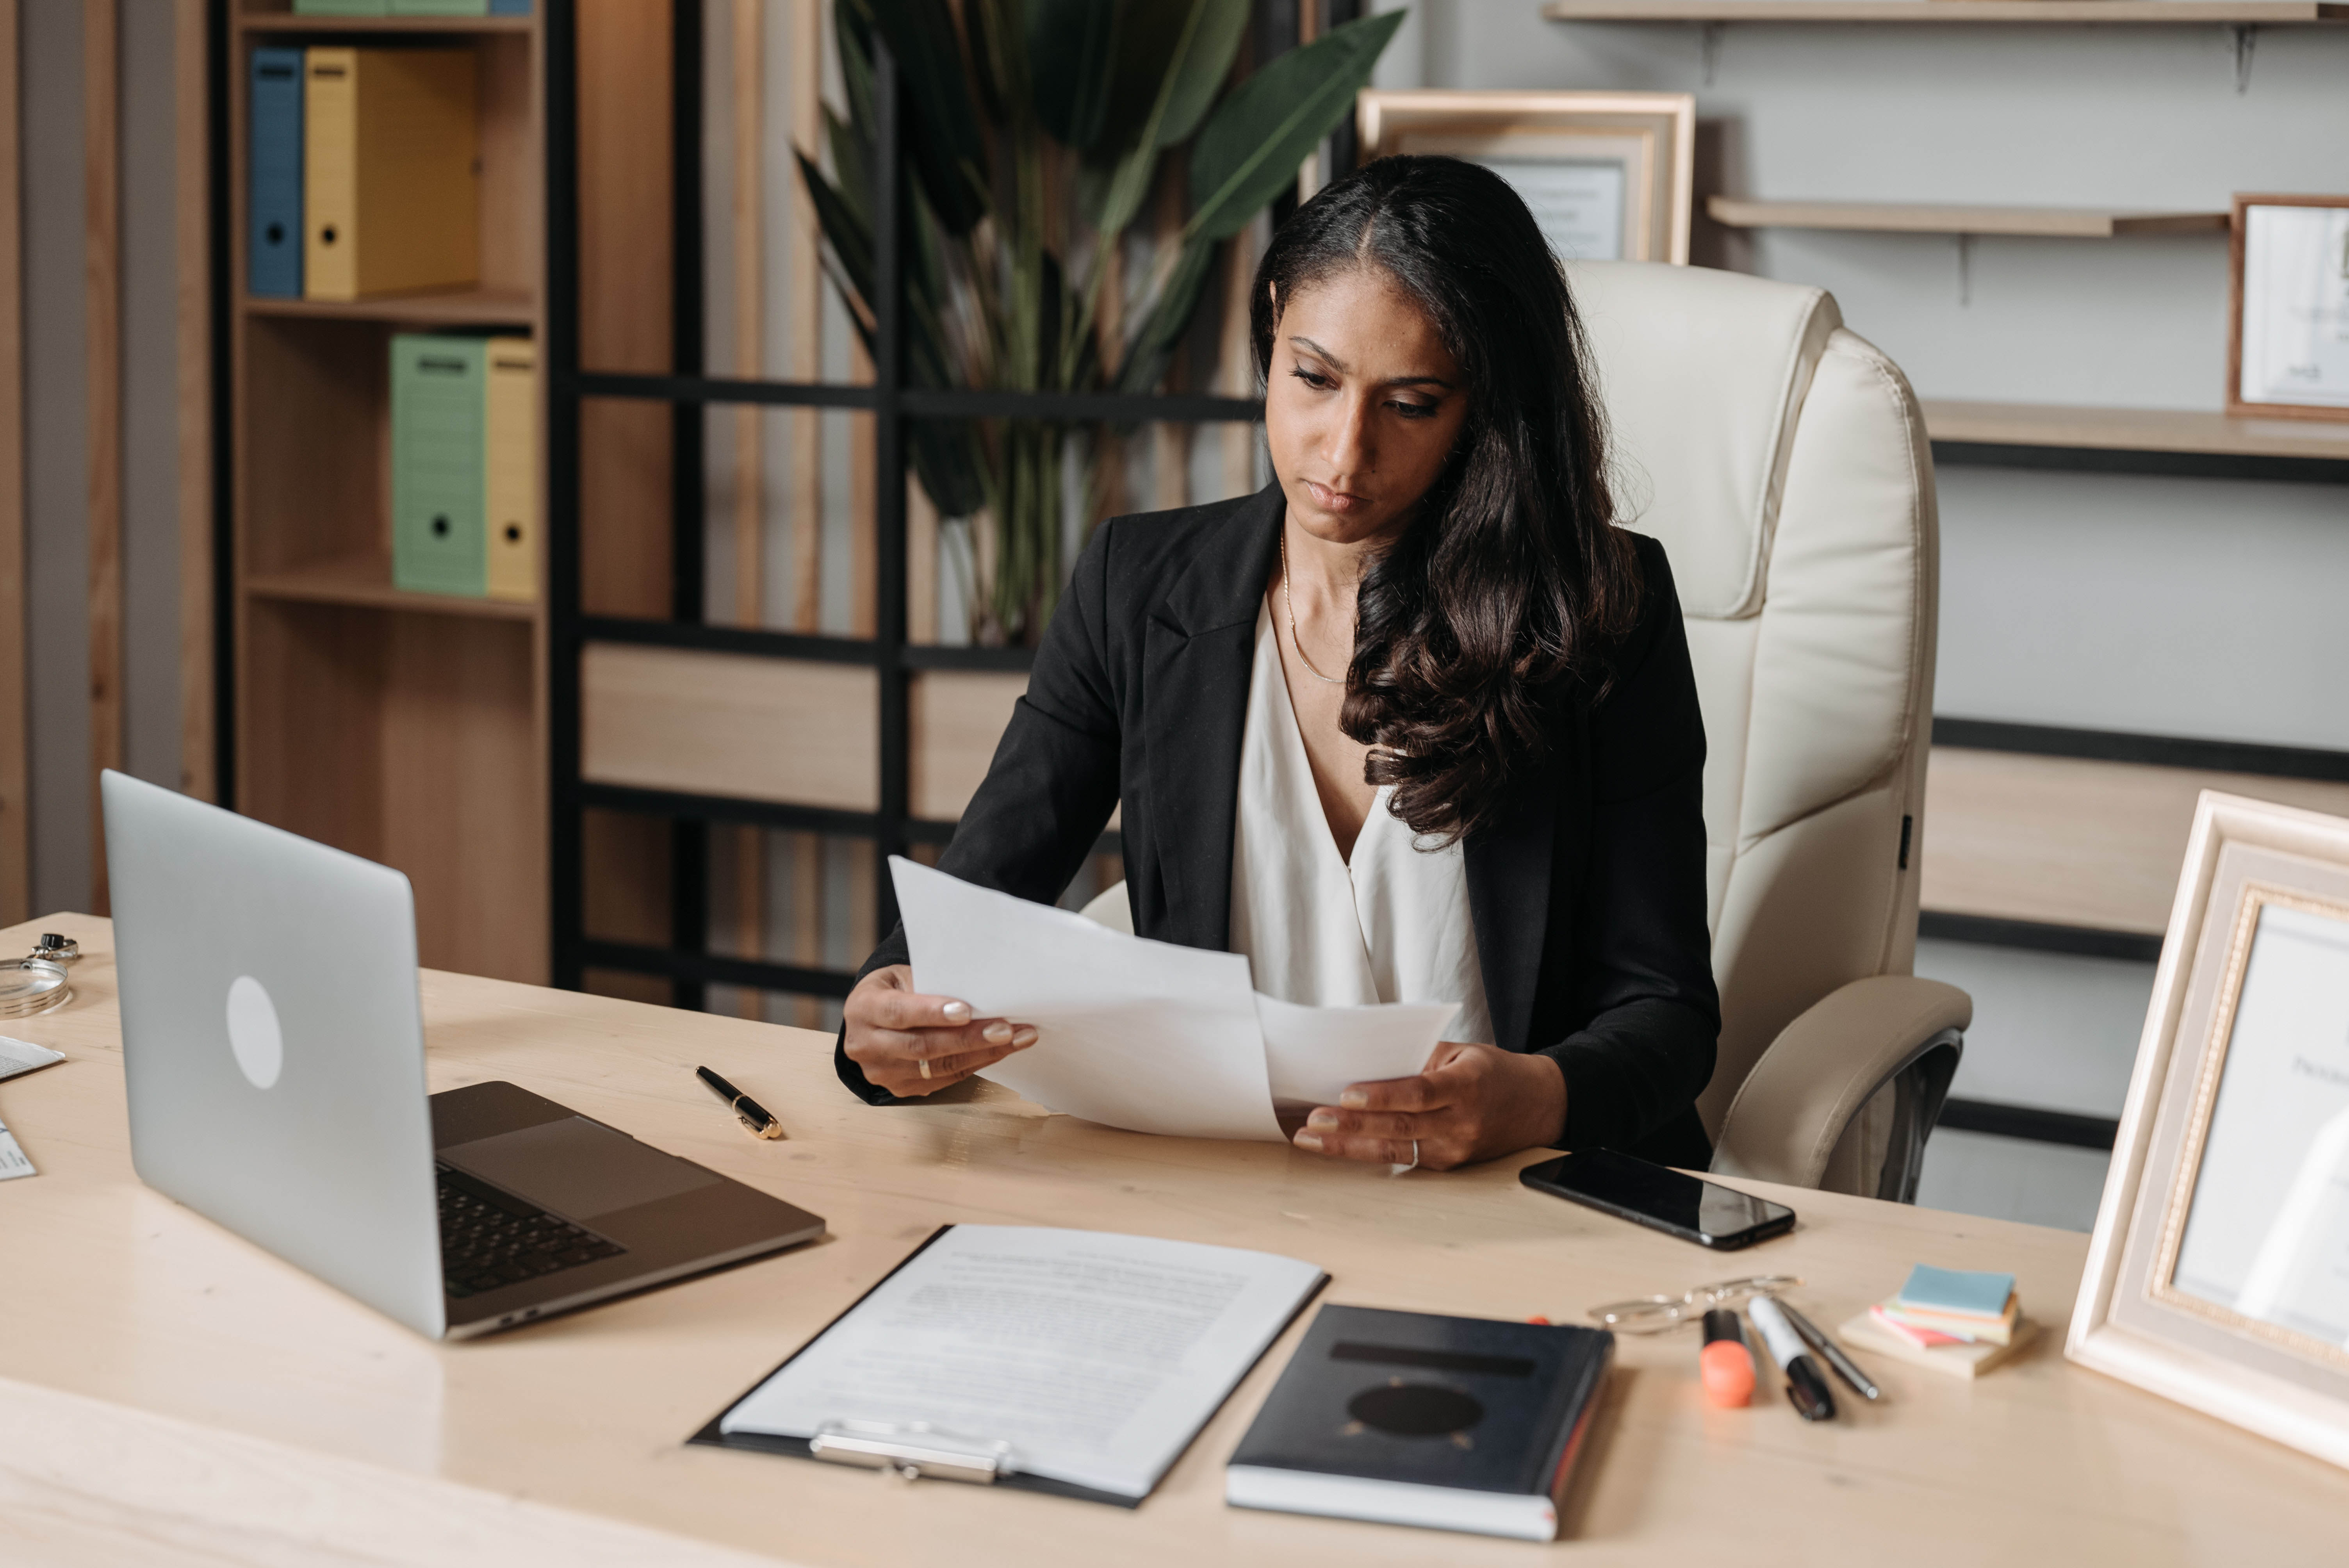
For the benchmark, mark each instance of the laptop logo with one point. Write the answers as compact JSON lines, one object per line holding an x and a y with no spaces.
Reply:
{"x":253,"y":1032}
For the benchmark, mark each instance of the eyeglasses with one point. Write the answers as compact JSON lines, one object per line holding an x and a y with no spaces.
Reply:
{"x":1655,"y":1314}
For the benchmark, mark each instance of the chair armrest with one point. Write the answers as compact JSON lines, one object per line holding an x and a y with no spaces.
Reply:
{"x":1801,"y":1097}
{"x":1111,"y":908}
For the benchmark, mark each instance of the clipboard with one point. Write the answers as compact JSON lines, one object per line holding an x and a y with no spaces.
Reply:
{"x":920,"y":1451}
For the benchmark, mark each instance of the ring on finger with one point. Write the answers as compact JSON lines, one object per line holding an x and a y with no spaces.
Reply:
{"x":926,"y":1067}
{"x":1414,"y":1157}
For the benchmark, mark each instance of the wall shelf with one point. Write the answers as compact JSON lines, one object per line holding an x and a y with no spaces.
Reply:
{"x":472,"y":307}
{"x":2064,"y":13}
{"x":365,"y":582}
{"x":2168,"y":441}
{"x":1922,"y":218}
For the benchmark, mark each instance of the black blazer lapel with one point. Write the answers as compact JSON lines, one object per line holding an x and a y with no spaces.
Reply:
{"x":1199,"y":639}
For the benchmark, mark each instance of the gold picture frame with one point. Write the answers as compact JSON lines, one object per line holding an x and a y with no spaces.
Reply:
{"x":2211,"y":1278}
{"x":1591,"y":164}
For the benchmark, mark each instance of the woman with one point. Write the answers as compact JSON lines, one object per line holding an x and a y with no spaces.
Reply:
{"x":1416,"y":723}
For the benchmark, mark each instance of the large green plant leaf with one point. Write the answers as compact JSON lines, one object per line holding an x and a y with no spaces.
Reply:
{"x":1147,"y":31}
{"x":1071,"y":60}
{"x":945,"y":455}
{"x":1258,"y":137}
{"x":997,"y":64}
{"x":845,"y":230}
{"x":1198,"y":75}
{"x":941,"y":125}
{"x":1183,"y":69}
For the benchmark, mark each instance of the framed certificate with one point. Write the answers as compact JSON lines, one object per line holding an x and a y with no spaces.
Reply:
{"x":2218,"y":1275}
{"x":1608,"y":175}
{"x":2288,"y":354}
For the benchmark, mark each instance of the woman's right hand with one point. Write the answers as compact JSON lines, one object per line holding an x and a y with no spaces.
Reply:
{"x":894,"y":1031}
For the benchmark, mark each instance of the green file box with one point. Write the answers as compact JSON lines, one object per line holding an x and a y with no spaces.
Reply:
{"x":439,"y":405}
{"x":341,"y":8}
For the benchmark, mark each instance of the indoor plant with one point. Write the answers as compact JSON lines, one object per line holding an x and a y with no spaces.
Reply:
{"x":1035,"y":130}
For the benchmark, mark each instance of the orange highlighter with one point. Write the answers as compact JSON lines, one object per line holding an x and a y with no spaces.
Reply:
{"x":1725,"y":1365}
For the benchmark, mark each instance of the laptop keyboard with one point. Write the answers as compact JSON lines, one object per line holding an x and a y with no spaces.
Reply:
{"x":490,"y":1239}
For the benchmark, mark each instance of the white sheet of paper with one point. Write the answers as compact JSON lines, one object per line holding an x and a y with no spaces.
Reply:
{"x":1096,"y":1356}
{"x":24,"y":1056}
{"x":1142,"y":1035}
{"x":1311,"y":1054}
{"x":13,"y":1162}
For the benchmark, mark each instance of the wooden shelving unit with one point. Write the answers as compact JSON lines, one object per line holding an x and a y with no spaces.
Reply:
{"x":406,"y":727}
{"x":279,"y":20}
{"x":365,"y":582}
{"x":456,"y":307}
{"x":1923,"y":218}
{"x":2061,"y":12}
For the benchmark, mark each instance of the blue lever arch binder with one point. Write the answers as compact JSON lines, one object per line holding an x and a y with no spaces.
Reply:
{"x":273,"y":246}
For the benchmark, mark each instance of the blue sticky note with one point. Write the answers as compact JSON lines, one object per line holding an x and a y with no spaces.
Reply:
{"x":1967,"y":1291}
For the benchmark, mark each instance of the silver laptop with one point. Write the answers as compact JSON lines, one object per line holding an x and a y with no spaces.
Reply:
{"x":273,"y":1047}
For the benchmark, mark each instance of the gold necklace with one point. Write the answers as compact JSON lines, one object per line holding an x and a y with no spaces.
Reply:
{"x":1291,"y":605}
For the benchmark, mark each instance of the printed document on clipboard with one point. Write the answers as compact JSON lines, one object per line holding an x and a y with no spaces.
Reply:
{"x":1081,"y":1363}
{"x":1147,"y":1036}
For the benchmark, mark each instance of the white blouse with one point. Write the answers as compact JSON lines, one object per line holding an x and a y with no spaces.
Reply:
{"x":1391,"y":925}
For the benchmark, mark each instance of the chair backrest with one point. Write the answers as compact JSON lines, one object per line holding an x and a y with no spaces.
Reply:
{"x":1783,"y":463}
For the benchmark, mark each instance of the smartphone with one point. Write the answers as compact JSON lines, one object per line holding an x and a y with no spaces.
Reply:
{"x":1661,"y":1198}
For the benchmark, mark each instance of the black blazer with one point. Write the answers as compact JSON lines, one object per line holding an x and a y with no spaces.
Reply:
{"x":1587,"y":893}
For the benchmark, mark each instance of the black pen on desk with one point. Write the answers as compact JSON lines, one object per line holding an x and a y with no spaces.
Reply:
{"x":1806,"y":1386}
{"x":754,"y":1115}
{"x":1845,"y":1367}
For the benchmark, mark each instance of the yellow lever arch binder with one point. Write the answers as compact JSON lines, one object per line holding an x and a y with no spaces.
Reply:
{"x":390,"y":176}
{"x":511,"y":440}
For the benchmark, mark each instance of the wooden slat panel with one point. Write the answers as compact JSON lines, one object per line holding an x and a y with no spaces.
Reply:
{"x":750,"y":845}
{"x":102,"y":304}
{"x":956,"y":718}
{"x":192,"y":225}
{"x":15,"y":783}
{"x":2070,"y":842}
{"x":739,"y":725}
{"x":625,"y":276}
{"x":806,"y":303}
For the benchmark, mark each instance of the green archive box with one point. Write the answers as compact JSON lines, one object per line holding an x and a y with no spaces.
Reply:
{"x":438,"y":404}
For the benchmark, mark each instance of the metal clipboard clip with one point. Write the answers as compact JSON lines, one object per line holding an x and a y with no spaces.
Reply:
{"x":913,"y":1449}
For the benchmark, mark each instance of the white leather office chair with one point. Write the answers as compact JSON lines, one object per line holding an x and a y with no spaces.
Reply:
{"x":1783,"y":463}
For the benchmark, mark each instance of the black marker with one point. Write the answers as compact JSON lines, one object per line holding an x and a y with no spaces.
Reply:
{"x":754,"y":1115}
{"x":1806,"y":1386}
{"x":1845,"y":1367}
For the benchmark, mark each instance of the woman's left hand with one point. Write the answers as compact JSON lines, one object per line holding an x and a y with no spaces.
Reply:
{"x":1473,"y":1102}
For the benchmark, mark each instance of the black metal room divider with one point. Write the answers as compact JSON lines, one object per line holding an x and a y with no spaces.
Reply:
{"x":893,"y":403}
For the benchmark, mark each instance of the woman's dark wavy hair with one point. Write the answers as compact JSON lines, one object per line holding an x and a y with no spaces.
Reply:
{"x":1509,"y":591}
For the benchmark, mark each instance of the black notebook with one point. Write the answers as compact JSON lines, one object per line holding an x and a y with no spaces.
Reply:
{"x":1405,"y":1417}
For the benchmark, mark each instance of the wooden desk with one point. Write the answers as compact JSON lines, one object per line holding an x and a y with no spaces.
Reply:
{"x":171,"y":1394}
